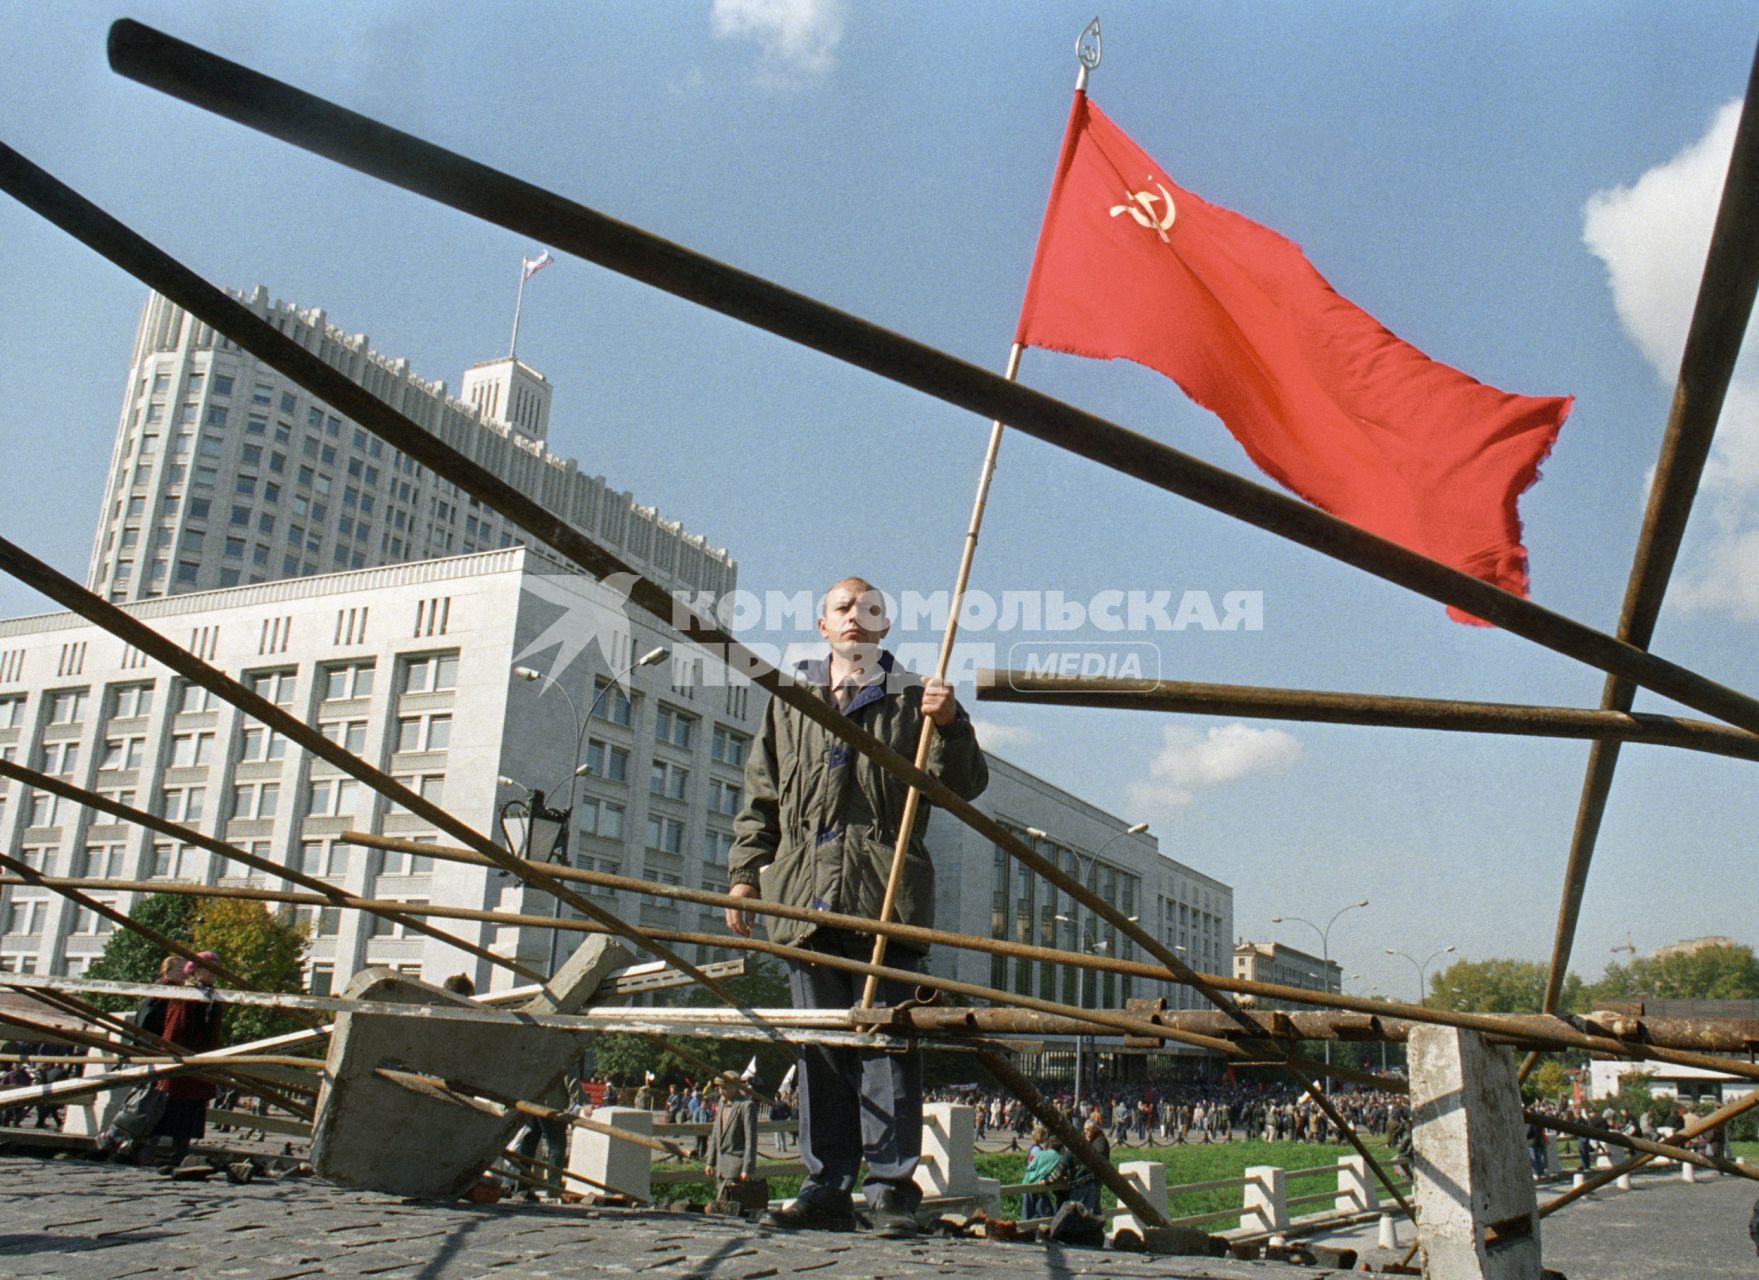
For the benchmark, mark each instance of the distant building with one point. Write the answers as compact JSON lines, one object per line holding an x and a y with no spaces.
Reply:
{"x":224,"y":473}
{"x":1691,"y":946}
{"x":1279,"y":963}
{"x":411,"y":667}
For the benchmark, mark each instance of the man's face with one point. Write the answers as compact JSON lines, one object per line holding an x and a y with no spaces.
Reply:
{"x":854,"y":621}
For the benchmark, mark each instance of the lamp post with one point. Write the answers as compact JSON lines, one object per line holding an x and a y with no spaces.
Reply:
{"x":1134,"y":829}
{"x":532,"y":828}
{"x":1325,"y":954}
{"x":1094,"y":945}
{"x":1422,"y":968}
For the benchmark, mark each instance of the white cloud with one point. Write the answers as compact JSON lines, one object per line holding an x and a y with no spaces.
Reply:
{"x":797,"y":39}
{"x":1192,"y":761}
{"x":1652,"y":236}
{"x":1002,"y":737}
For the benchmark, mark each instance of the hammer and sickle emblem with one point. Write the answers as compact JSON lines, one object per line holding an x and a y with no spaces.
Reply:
{"x":1144,"y":212}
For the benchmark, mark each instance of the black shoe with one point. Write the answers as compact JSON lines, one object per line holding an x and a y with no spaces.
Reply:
{"x":814,"y":1214}
{"x":890,"y":1219}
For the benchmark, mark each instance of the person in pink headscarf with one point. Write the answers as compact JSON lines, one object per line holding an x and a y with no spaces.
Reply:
{"x":194,"y":1026}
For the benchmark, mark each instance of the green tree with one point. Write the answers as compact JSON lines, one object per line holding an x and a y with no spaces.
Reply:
{"x":1722,"y":972}
{"x":1547,"y":1083}
{"x":1498,"y":986}
{"x":264,"y":949}
{"x":128,"y":957}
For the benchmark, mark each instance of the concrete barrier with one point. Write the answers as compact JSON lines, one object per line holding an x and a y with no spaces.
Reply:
{"x":1150,"y":1178}
{"x":1356,"y":1193}
{"x":949,"y":1165}
{"x":612,"y":1162}
{"x":1266,"y":1207}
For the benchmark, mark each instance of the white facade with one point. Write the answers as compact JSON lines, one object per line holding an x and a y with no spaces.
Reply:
{"x":410,"y":666}
{"x":980,"y":889}
{"x":224,"y":473}
{"x":1286,"y":966}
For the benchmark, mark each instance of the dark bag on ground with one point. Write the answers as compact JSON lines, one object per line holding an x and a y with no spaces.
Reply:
{"x":139,"y":1115}
{"x":745,"y":1199}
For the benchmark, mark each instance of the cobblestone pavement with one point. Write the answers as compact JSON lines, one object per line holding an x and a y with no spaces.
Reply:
{"x":72,"y":1218}
{"x":67,"y":1218}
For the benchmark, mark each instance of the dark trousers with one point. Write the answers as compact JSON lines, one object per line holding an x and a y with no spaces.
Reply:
{"x":856,"y":1102}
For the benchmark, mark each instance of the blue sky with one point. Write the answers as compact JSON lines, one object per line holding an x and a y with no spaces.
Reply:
{"x":1523,"y":191}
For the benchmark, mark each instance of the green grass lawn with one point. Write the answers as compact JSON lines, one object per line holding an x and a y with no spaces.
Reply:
{"x":1202,"y":1164}
{"x":1184,"y":1164}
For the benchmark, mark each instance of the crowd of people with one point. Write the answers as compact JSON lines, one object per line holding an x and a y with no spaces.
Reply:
{"x":1165,"y":1113}
{"x":1658,"y":1126}
{"x":18,"y":1074}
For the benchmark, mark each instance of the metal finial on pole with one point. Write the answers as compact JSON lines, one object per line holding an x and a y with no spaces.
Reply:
{"x":1087,"y":51}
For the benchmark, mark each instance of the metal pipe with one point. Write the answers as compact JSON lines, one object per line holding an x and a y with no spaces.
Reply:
{"x":57,"y":586}
{"x":1380,"y":710}
{"x":1552,"y":1031}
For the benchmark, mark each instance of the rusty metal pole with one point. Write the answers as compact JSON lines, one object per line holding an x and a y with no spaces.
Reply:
{"x":1713,"y":345}
{"x":1379,"y":710}
{"x":1642,"y":1145}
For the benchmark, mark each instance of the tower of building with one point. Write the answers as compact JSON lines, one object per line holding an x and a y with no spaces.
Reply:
{"x":224,"y":473}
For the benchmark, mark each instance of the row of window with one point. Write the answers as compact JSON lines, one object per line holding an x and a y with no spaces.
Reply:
{"x":325,"y":798}
{"x":427,"y":673}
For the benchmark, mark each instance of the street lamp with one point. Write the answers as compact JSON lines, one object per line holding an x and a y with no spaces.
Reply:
{"x":1094,"y":946}
{"x":577,"y":768}
{"x":533,"y":829}
{"x":1422,"y":968}
{"x":1325,"y":954}
{"x":1135,"y":829}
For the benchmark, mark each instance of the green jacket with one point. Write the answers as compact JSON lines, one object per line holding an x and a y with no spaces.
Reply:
{"x":820,"y":820}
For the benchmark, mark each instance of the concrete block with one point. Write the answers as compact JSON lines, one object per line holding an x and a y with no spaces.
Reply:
{"x":1688,"y":1172}
{"x":1266,"y":1206}
{"x":1477,"y":1215}
{"x":1356,"y":1193}
{"x":90,"y":1116}
{"x":624,"y":1166}
{"x":1622,"y":1182}
{"x":1554,"y":1164}
{"x":948,"y":1136}
{"x":375,"y":1134}
{"x":1150,"y":1178}
{"x":989,"y":1196}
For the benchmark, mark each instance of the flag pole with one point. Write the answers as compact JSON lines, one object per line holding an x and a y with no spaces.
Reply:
{"x":1087,"y":52}
{"x":518,"y":305}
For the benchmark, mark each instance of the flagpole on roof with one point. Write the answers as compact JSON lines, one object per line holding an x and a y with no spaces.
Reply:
{"x":1087,"y":51}
{"x":518,"y":305}
{"x":528,"y":267}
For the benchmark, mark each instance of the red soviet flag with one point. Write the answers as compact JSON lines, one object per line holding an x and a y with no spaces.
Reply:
{"x":1323,"y":398}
